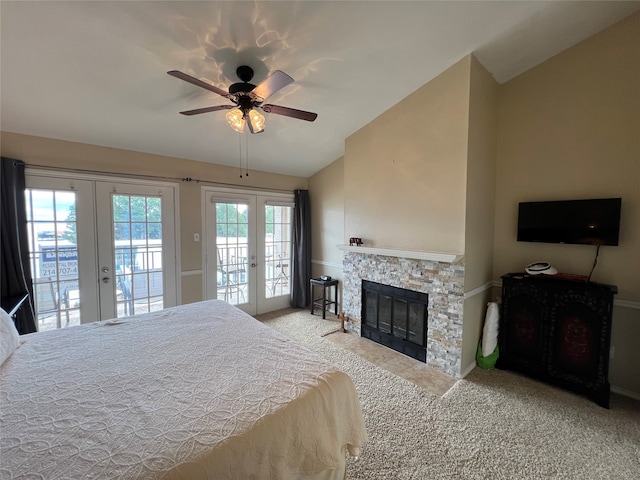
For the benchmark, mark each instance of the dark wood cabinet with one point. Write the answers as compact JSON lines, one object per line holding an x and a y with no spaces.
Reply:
{"x":557,"y":330}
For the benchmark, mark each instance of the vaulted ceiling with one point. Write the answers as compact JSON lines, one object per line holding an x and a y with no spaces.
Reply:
{"x":95,"y":72}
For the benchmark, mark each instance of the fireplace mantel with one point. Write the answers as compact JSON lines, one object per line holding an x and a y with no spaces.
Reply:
{"x":390,"y":252}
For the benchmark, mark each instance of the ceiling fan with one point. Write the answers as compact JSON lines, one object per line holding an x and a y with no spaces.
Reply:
{"x":247,"y":98}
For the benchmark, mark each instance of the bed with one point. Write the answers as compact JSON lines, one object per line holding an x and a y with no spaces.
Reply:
{"x":201,"y":391}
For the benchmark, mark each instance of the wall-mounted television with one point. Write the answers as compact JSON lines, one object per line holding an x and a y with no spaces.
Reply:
{"x":586,"y":222}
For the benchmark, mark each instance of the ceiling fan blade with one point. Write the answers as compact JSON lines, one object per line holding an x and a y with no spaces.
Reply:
{"x":272,"y":84}
{"x":199,"y":83}
{"x":290,"y":112}
{"x":207,"y":109}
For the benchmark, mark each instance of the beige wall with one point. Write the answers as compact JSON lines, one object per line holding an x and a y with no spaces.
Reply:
{"x":480,"y":205}
{"x":569,"y":129}
{"x":326,"y":194}
{"x":481,"y":177}
{"x":625,"y":333}
{"x":421,"y":177}
{"x":69,"y":155}
{"x":405,"y":172}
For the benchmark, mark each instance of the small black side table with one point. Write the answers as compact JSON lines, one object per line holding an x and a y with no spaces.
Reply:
{"x":323,"y":302}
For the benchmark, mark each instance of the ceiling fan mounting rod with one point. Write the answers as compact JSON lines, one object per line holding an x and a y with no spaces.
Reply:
{"x":245,"y":73}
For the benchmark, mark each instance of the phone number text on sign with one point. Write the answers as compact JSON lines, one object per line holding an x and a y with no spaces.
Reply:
{"x":65,"y":269}
{"x":66,"y":266}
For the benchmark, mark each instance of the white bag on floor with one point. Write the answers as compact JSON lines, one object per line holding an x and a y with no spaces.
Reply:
{"x":490,"y":331}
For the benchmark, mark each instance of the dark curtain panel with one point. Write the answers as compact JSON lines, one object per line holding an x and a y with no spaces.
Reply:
{"x":15,"y":268}
{"x":301,"y":250}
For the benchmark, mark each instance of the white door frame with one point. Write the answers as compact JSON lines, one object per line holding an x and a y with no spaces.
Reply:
{"x":70,"y":177}
{"x":258,"y":302}
{"x":106,"y":248}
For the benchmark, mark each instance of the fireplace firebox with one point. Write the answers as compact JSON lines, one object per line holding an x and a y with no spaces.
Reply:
{"x":395,"y":317}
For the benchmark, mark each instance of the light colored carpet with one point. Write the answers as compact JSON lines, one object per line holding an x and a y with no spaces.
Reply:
{"x":491,"y":425}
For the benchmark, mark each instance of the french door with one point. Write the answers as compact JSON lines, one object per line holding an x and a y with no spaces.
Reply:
{"x":136,"y":248}
{"x":99,"y":249}
{"x":248,"y":249}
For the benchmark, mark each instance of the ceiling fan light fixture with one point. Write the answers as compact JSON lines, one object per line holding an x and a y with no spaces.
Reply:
{"x":235,"y":117}
{"x":256,"y":121}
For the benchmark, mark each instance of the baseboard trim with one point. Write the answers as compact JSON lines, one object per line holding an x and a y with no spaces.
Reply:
{"x":625,"y":393}
{"x":327,"y":264}
{"x":626,"y":304}
{"x":478,"y":290}
{"x":468,"y":370}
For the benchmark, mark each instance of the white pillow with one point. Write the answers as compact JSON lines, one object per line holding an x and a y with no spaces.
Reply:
{"x":9,"y":337}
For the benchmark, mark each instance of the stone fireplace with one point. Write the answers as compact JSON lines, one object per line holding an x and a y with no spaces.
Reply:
{"x":441,"y":279}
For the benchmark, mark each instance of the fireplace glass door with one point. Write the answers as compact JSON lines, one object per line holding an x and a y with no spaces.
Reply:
{"x":395,"y":317}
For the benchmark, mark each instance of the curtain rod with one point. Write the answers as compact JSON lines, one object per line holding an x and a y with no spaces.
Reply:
{"x":154,"y":177}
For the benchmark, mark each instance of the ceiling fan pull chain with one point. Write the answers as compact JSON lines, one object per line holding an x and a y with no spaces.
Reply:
{"x":247,"y":153}
{"x":240,"y":152}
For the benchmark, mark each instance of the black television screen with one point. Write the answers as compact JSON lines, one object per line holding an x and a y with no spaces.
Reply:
{"x":587,"y":222}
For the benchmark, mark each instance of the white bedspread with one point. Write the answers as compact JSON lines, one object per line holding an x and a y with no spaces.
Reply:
{"x":192,"y":392}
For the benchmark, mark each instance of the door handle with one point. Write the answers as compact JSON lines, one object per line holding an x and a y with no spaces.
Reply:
{"x":105,"y":279}
{"x":254,"y":265}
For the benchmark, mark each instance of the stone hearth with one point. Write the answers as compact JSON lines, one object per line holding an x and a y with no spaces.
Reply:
{"x":442,"y":281}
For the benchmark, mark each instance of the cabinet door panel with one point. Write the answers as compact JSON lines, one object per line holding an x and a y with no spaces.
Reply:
{"x":524,"y":329}
{"x":580,"y":322}
{"x":574,"y":349}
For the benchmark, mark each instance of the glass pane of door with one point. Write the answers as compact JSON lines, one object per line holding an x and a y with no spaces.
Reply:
{"x":53,"y":252}
{"x":232,"y":244}
{"x":137,"y":241}
{"x":277,"y":244}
